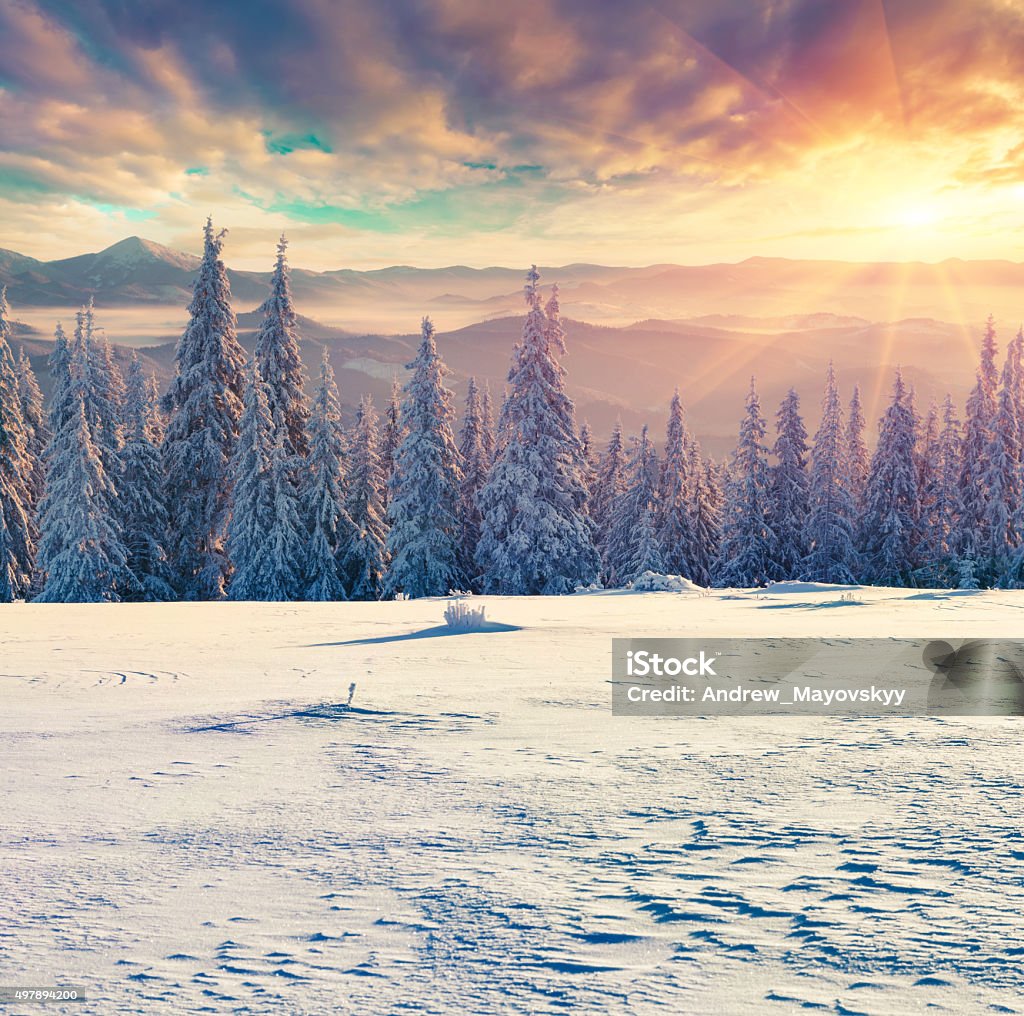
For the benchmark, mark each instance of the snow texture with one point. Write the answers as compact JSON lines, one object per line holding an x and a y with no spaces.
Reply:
{"x":194,"y":821}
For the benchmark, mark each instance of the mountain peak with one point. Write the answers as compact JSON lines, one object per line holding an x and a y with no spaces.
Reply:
{"x":136,"y":249}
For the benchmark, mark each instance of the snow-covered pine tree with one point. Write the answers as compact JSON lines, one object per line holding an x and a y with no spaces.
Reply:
{"x":111,"y":401}
{"x":423,"y":541}
{"x":926,"y":461}
{"x":264,"y":539}
{"x":98,"y":379}
{"x":265,"y":536}
{"x":286,"y":539}
{"x":279,"y":358}
{"x":246,"y":542}
{"x":1018,"y":395}
{"x":607,"y":486}
{"x":831,"y":521}
{"x":977,"y":440}
{"x":366,"y":560}
{"x":789,"y":499}
{"x":143,"y":513}
{"x":588,"y":460}
{"x":36,"y":427}
{"x":565,"y":409}
{"x":857,"y":458}
{"x":487,"y":423}
{"x":475,"y":467}
{"x":205,"y":399}
{"x":1003,"y":479}
{"x":706,"y":518}
{"x":925,"y":454}
{"x":16,"y":504}
{"x":629,"y":552}
{"x":891,"y":503}
{"x":940,"y":499}
{"x":391,"y":437}
{"x":676,"y":489}
{"x":332,"y":534}
{"x":81,"y":551}
{"x":536,"y":537}
{"x":157,"y":420}
{"x":745,"y":552}
{"x":63,"y":408}
{"x":648,"y":555}
{"x":63,"y":404}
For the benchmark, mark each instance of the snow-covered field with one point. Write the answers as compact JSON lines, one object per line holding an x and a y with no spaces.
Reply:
{"x":191,"y":823}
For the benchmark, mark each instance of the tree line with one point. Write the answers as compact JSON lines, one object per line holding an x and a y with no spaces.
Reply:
{"x":237,"y":483}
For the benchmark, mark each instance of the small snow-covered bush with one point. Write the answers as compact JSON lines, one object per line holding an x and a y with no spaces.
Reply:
{"x":654,"y":582}
{"x":460,"y":617}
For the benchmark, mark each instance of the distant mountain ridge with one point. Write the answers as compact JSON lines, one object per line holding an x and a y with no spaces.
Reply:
{"x":137,"y":272}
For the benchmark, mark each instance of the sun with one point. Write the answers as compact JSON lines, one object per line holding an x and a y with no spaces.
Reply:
{"x":918,"y":216}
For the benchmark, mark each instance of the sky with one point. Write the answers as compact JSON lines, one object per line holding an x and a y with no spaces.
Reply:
{"x":437,"y":132}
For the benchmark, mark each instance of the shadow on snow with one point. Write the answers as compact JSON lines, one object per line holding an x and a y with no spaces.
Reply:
{"x":438,"y":631}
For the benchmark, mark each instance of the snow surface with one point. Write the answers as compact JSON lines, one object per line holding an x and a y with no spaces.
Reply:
{"x":193,"y":823}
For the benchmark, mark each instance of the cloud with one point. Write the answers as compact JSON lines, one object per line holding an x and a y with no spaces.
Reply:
{"x":541,"y":120}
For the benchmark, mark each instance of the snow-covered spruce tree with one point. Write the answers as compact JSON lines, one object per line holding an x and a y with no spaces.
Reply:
{"x":391,"y":437}
{"x":264,"y":539}
{"x":565,"y":409}
{"x":980,"y":417}
{"x":16,"y":503}
{"x":707,"y":518}
{"x":891,"y":501}
{"x":857,"y":458}
{"x":926,"y":452}
{"x":286,"y":540}
{"x":487,"y":423}
{"x":423,"y":541}
{"x":475,"y":467}
{"x":648,"y":555}
{"x":608,"y":484}
{"x":1003,"y":479}
{"x":940,"y":499}
{"x":37,"y":429}
{"x":205,"y":400}
{"x":82,"y":554}
{"x":1018,"y":394}
{"x":62,"y":403}
{"x":366,"y":560}
{"x":279,"y":359}
{"x":536,"y":537}
{"x":251,"y":509}
{"x":61,"y":414}
{"x":745,"y":552}
{"x":97,"y":379}
{"x":788,"y":501}
{"x":676,"y":495}
{"x":588,"y":460}
{"x":332,"y":534}
{"x":110,"y":404}
{"x":627,"y":557}
{"x":157,"y":420}
{"x":143,"y":513}
{"x":831,"y":520}
{"x":16,"y":530}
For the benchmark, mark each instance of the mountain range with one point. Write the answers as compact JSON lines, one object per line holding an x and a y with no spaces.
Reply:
{"x":633,"y":333}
